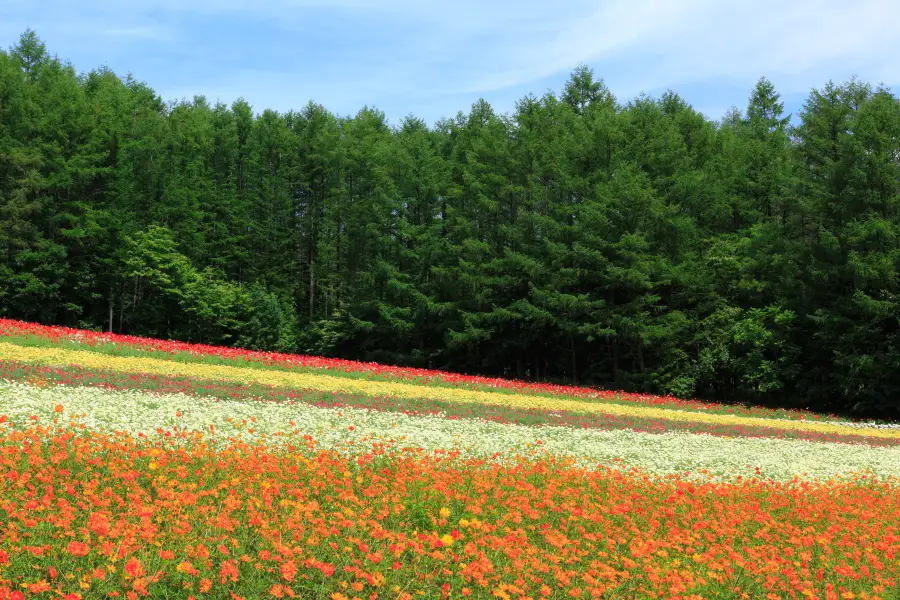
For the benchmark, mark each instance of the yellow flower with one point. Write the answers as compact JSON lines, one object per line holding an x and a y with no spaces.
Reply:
{"x":445,"y":512}
{"x":447,"y":539}
{"x":398,"y":389}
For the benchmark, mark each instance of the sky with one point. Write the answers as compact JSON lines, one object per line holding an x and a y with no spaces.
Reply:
{"x":433,"y":58}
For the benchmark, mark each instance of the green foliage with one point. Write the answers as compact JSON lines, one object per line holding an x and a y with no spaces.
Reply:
{"x":271,"y":323}
{"x":578,"y":239}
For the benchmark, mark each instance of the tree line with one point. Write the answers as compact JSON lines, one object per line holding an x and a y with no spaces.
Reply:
{"x":638,"y":245}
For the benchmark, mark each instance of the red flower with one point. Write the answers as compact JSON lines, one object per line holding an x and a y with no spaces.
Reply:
{"x":228,"y":571}
{"x":39,"y":587}
{"x":288,"y":570}
{"x":133,"y":567}
{"x":78,"y":548}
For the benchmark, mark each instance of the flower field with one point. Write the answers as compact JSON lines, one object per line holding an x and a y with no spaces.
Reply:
{"x":134,"y":468}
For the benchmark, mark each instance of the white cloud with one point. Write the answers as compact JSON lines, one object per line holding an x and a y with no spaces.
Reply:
{"x":146,"y":32}
{"x":433,"y":49}
{"x":697,"y":38}
{"x":800,"y":42}
{"x":606,"y":31}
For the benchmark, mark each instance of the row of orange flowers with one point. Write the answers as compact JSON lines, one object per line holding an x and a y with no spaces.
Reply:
{"x":88,"y":515}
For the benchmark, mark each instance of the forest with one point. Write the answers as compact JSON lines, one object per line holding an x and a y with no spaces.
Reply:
{"x":580,"y":238}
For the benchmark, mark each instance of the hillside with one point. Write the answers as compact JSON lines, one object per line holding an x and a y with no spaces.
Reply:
{"x":145,"y":468}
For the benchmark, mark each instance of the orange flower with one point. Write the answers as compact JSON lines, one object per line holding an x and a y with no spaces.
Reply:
{"x":99,"y":524}
{"x":228,"y":572}
{"x":288,"y":570}
{"x":186,"y":568}
{"x":39,"y":587}
{"x":134,"y":568}
{"x":77,"y":548}
{"x":532,"y":529}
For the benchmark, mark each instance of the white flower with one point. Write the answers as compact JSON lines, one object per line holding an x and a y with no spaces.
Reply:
{"x":270,"y":423}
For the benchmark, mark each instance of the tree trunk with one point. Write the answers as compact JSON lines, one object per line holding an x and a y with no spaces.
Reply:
{"x":518,"y":363}
{"x":121,"y":309}
{"x":111,"y":308}
{"x":615,"y":357}
{"x":312,"y":289}
{"x":640,"y":353}
{"x":574,"y":360}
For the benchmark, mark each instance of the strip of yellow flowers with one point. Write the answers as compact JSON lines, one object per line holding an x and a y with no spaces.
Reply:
{"x":328,"y":383}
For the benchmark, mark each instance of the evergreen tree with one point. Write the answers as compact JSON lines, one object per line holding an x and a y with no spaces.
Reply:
{"x":639,"y":245}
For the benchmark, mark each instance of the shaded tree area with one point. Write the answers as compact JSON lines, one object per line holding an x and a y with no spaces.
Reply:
{"x":639,"y":246}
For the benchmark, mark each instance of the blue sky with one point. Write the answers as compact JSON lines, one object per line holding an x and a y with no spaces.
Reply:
{"x":433,"y":58}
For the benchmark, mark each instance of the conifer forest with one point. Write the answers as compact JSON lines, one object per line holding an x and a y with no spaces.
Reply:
{"x":625,"y":243}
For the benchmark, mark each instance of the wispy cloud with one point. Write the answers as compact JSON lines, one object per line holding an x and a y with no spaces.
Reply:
{"x":145,"y":32}
{"x":424,"y":55}
{"x":603,"y":32}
